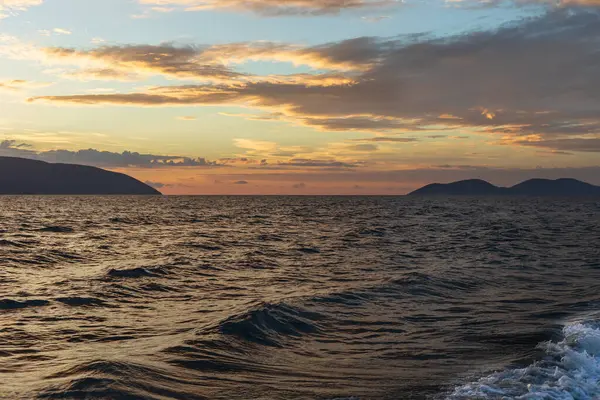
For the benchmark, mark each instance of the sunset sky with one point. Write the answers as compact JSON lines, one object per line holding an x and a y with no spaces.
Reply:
{"x":304,"y":96}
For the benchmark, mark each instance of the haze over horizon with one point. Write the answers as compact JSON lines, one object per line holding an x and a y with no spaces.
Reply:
{"x":304,"y":96}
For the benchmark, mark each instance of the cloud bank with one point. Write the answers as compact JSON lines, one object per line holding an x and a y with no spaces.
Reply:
{"x":106,"y":159}
{"x":534,"y":83}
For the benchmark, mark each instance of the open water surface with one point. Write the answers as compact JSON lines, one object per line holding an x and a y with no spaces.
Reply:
{"x":299,"y":298}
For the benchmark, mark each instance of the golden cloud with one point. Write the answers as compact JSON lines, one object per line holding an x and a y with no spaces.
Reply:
{"x":535,"y":77}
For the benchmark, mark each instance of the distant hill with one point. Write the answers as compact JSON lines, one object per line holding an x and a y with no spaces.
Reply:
{"x":532,"y":187}
{"x":24,"y":176}
{"x":559,"y":187}
{"x":472,"y":187}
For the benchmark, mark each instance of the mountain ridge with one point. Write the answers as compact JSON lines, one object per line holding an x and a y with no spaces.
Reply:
{"x":21,"y":176}
{"x":531,"y":187}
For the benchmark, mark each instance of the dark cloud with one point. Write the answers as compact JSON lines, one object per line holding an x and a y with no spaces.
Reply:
{"x":583,"y":145}
{"x":241,"y":183}
{"x":99,"y":158}
{"x":299,"y":186}
{"x":13,"y":144}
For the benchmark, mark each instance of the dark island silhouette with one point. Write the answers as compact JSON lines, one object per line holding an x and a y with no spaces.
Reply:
{"x":533,"y":187}
{"x":20,"y":176}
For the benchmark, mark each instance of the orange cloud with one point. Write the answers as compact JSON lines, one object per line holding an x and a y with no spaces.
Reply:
{"x":425,"y":86}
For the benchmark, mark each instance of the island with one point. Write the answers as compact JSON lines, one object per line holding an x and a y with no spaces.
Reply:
{"x":20,"y":176}
{"x":532,"y":187}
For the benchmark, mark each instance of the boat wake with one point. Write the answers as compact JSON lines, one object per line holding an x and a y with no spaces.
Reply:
{"x":570,"y":370}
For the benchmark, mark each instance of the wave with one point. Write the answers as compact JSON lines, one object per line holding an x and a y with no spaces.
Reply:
{"x":120,"y":220}
{"x":30,"y":258}
{"x":81,"y":301}
{"x":309,"y":250}
{"x":409,"y":285}
{"x":138,"y":272}
{"x":378,"y":232}
{"x":203,"y":246}
{"x":9,"y":243}
{"x":117,"y":380}
{"x":271,"y":324}
{"x":9,"y":304}
{"x":420,"y":284}
{"x":569,"y":370}
{"x":57,"y":229}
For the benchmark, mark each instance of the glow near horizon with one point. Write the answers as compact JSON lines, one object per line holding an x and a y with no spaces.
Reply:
{"x":342,"y":150}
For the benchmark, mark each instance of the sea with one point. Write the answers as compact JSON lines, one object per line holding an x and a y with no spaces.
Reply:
{"x":299,"y":298}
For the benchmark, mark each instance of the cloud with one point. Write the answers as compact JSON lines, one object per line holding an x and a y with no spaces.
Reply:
{"x":272,"y":7}
{"x":347,"y":55}
{"x":536,"y":77}
{"x":99,"y":74}
{"x":343,"y":60}
{"x":309,"y":163}
{"x":187,"y":118}
{"x":265,"y":149}
{"x":20,"y":84}
{"x":156,"y":185}
{"x":243,"y":161}
{"x":132,"y":60}
{"x":11,"y":148}
{"x":241,"y":183}
{"x":214,"y":64}
{"x":388,"y":139}
{"x":61,"y":31}
{"x":376,"y":19}
{"x":12,"y":144}
{"x":582,"y":144}
{"x":290,"y":162}
{"x":299,"y":186}
{"x":12,"y":7}
{"x":363,"y":147}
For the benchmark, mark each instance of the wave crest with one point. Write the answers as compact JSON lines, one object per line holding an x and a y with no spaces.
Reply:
{"x":138,"y":272}
{"x":271,"y":323}
{"x":570,"y":370}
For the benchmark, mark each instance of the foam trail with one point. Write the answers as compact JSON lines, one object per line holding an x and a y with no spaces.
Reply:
{"x":570,"y":371}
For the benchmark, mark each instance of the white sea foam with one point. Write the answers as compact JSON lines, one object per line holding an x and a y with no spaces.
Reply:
{"x":570,"y":371}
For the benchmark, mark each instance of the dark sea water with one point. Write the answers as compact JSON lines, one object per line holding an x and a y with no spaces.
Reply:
{"x":299,"y":298}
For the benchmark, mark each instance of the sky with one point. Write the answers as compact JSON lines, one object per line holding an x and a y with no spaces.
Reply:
{"x":304,"y":96}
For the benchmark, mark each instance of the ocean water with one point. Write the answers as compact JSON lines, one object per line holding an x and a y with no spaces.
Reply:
{"x":299,"y":298}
